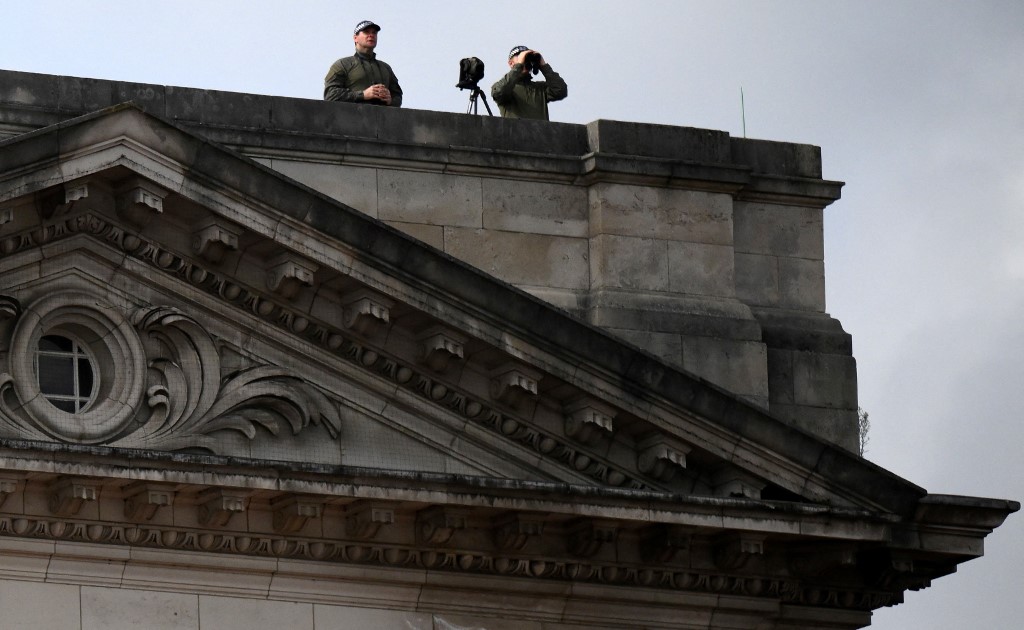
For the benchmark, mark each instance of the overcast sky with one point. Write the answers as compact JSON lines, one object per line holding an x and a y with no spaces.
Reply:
{"x":917,"y":106}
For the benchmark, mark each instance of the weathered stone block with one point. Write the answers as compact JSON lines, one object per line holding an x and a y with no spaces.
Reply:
{"x":792,"y":231}
{"x":824,"y":380}
{"x":664,"y":213}
{"x":739,"y":366}
{"x":838,"y":426}
{"x":699,"y":269}
{"x":802,"y":284}
{"x":126,"y":608}
{"x":352,"y":185}
{"x":757,"y":279}
{"x":534,"y":207}
{"x":629,"y":263}
{"x":40,"y":605}
{"x":229,"y":613}
{"x":527,"y":259}
{"x":431,"y":198}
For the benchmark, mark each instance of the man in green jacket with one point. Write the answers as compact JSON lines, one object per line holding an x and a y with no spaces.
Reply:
{"x":362,"y":78}
{"x":518,"y":95}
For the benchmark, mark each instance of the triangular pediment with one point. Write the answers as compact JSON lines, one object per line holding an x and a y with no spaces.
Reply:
{"x":252,"y":317}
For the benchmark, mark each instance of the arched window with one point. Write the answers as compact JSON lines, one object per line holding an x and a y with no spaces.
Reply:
{"x":65,"y":373}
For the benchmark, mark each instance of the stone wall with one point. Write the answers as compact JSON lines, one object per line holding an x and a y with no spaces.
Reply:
{"x":703,"y":249}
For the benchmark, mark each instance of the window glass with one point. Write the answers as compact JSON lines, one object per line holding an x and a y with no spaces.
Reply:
{"x":65,"y":373}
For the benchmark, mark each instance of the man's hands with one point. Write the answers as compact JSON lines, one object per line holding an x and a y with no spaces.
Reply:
{"x":378,"y":92}
{"x":521,"y":57}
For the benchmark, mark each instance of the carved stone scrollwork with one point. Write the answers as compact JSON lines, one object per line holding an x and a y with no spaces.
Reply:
{"x":588,"y":420}
{"x":436,"y":525}
{"x":217,"y":506}
{"x":189,"y":401}
{"x":287,"y":273}
{"x":512,"y":531}
{"x":214,"y":238}
{"x":663,"y":543}
{"x":733,"y":551}
{"x":67,"y":495}
{"x":441,"y":346}
{"x":661,"y":457}
{"x":139,"y":200}
{"x":367,"y":313}
{"x":10,"y":308}
{"x":512,"y":383}
{"x":364,"y":519}
{"x":585,"y":537}
{"x":291,"y":513}
{"x":142,"y":500}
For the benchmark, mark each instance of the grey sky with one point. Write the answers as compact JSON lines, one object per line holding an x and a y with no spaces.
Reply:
{"x":918,"y":106}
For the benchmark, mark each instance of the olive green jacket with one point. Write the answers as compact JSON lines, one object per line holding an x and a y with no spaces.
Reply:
{"x":349,"y":76}
{"x":519,"y":96}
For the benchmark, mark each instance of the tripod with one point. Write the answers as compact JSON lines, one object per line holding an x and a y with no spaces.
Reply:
{"x":474,"y":92}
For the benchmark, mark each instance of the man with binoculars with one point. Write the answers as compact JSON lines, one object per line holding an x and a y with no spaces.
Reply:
{"x":518,"y":95}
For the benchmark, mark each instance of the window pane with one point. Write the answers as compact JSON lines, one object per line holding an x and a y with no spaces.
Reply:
{"x":56,"y":376}
{"x":53,"y":343}
{"x":64,"y":405}
{"x":84,"y":377}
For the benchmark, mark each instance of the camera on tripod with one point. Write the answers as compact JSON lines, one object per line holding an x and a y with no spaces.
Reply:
{"x":471,"y":70}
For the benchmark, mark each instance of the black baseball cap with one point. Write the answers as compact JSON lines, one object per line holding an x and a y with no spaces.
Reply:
{"x":365,"y":24}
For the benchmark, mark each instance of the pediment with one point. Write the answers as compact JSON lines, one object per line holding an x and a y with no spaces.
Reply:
{"x":252,"y":317}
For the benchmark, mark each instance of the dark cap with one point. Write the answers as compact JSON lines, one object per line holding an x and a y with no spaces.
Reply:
{"x":365,"y":24}
{"x":516,"y":50}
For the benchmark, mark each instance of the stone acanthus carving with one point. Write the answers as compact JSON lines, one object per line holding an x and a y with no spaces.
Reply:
{"x":441,"y":346}
{"x":188,"y":401}
{"x":213,"y":238}
{"x":585,"y":537}
{"x":138,"y":200}
{"x":437,"y":524}
{"x":142,"y":500}
{"x":66,"y":495}
{"x":660,"y":457}
{"x":217,"y":506}
{"x":587,"y":420}
{"x":513,"y":531}
{"x":367,"y":313}
{"x":512,"y":383}
{"x":364,"y":519}
{"x":287,"y":273}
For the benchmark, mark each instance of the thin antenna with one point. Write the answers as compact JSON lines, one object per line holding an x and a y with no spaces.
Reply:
{"x":743,"y":112}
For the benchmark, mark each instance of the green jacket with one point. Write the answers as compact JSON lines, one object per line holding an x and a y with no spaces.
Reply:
{"x":349,"y":76}
{"x":519,"y":96}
